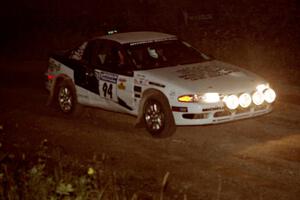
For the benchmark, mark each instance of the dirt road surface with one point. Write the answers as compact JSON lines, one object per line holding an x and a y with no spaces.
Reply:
{"x":249,"y":159}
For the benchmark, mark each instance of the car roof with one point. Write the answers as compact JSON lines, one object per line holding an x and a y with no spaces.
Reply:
{"x":139,"y":37}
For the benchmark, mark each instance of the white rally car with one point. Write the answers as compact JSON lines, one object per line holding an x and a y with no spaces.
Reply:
{"x":158,"y":78}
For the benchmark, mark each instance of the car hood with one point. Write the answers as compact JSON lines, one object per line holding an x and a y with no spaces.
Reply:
{"x":210,"y":76}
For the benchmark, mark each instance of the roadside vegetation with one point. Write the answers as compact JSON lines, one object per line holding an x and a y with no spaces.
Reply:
{"x":51,"y":174}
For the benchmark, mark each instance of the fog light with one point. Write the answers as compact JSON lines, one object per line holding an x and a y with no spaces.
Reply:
{"x":245,"y":100}
{"x":258,"y":98}
{"x":232,"y":101}
{"x":269,"y":95}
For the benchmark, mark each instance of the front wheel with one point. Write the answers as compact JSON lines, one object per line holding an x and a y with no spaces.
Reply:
{"x":158,"y":117}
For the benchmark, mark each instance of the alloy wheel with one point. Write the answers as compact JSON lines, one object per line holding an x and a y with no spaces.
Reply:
{"x":65,"y":99}
{"x":154,"y":116}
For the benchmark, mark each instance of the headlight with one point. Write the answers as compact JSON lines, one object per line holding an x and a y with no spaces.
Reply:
{"x":192,"y":98}
{"x":258,"y":98}
{"x":232,"y":101}
{"x":211,"y":97}
{"x":269,"y":95}
{"x":245,"y":100}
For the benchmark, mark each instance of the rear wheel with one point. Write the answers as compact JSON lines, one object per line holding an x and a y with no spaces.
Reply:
{"x":158,"y":117}
{"x":66,"y":98}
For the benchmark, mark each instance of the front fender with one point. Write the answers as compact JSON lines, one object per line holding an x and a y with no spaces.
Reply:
{"x":139,"y":121}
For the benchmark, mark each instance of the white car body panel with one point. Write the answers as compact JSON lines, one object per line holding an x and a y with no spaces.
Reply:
{"x":139,"y":37}
{"x":192,"y":79}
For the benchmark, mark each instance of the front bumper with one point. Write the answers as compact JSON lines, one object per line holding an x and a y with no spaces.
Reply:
{"x":195,"y":114}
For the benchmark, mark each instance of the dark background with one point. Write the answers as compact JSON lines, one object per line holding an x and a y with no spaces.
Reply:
{"x":261,"y":35}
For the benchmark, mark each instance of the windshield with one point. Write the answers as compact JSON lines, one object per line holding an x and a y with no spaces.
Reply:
{"x":163,"y":54}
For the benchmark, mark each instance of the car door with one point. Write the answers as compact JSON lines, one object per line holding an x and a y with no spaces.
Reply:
{"x":115,"y":77}
{"x":90,"y":74}
{"x":84,"y":79}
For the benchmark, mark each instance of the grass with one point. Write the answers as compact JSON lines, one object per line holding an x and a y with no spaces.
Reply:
{"x":51,"y":174}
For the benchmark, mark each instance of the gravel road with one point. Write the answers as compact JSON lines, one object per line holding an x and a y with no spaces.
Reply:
{"x":249,"y":159}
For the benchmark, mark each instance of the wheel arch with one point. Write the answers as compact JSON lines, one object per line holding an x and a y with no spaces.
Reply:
{"x":58,"y":79}
{"x":145,"y":95}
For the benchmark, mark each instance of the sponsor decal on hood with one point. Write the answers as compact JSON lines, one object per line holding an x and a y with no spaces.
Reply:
{"x":197,"y":72}
{"x":212,"y":76}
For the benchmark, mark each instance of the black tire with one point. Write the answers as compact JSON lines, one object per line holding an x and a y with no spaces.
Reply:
{"x":65,"y":98}
{"x":157,"y":115}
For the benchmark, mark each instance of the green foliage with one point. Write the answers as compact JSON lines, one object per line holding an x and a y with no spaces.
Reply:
{"x":50,"y":174}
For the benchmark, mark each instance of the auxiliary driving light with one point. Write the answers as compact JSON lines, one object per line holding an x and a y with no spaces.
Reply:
{"x":245,"y":100}
{"x":269,"y":95}
{"x":231,"y":101}
{"x":258,"y":98}
{"x":262,"y":87}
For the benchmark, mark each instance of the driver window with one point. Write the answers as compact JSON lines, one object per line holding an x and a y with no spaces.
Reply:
{"x":115,"y":56}
{"x":116,"y":60}
{"x":107,"y":55}
{"x":98,"y":55}
{"x":77,"y":54}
